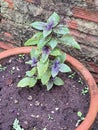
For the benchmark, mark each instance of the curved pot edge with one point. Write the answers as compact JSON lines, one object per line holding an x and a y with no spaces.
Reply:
{"x":93,"y":109}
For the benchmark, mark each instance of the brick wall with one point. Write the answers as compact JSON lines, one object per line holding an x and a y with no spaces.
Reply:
{"x":80,"y":15}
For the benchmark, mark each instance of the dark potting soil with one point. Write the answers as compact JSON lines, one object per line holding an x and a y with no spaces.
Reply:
{"x":36,"y":108}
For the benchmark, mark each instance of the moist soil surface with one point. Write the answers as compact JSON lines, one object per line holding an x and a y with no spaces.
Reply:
{"x":36,"y":108}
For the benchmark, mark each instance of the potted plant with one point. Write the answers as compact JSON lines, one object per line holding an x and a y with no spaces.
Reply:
{"x":47,"y":60}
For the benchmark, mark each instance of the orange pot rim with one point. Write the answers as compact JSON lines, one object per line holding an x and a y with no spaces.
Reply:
{"x":93,"y":90}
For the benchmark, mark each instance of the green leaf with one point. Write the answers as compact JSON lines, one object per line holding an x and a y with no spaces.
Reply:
{"x":56,"y":52}
{"x":53,"y":43}
{"x":55,"y":18}
{"x":64,"y":68}
{"x":42,"y":67}
{"x":61,"y":29}
{"x":44,"y":57}
{"x":31,"y":72}
{"x":45,"y":78}
{"x":58,"y":81}
{"x":79,"y":114}
{"x":28,"y":62}
{"x":32,"y":53}
{"x":32,"y":82}
{"x":70,"y":41}
{"x":30,"y":42}
{"x":38,"y":25}
{"x":35,"y":53}
{"x":16,"y":125}
{"x":46,"y":32}
{"x":43,"y":42}
{"x":62,"y":57}
{"x":34,"y":40}
{"x":27,"y":81}
{"x":49,"y":85}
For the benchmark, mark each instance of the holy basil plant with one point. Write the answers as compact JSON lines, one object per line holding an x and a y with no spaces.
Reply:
{"x":48,"y":60}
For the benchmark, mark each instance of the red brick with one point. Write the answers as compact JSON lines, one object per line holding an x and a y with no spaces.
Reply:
{"x":84,"y":38}
{"x":7,"y":34}
{"x":75,"y":33}
{"x":94,"y":67}
{"x":72,"y":24}
{"x":10,"y":3}
{"x":85,"y":14}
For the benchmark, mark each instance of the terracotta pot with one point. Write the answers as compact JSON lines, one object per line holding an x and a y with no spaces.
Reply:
{"x":93,"y":90}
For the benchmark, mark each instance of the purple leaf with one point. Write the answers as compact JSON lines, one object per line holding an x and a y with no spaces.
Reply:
{"x":55,"y":68}
{"x":46,"y":50}
{"x":34,"y":62}
{"x":45,"y":53}
{"x":49,"y":26}
{"x":48,"y":29}
{"x":38,"y":25}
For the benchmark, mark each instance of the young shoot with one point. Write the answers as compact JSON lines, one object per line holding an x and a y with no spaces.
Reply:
{"x":81,"y":118}
{"x":2,"y":68}
{"x":85,"y":91}
{"x":72,"y":75}
{"x":16,"y":125}
{"x":80,"y":81}
{"x":21,"y":56}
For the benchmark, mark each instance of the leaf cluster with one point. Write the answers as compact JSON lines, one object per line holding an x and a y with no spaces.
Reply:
{"x":48,"y":60}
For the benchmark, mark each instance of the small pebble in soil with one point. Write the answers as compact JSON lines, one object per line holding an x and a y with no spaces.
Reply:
{"x":16,"y":101}
{"x":11,"y":97}
{"x":30,"y":98}
{"x":74,"y":86}
{"x":34,"y":116}
{"x":10,"y":61}
{"x":19,"y":76}
{"x":31,"y":104}
{"x":41,"y":105}
{"x":37,"y":116}
{"x":25,"y":122}
{"x":65,"y":128}
{"x":17,"y":68}
{"x":10,"y":85}
{"x":52,"y":112}
{"x":56,"y":108}
{"x":13,"y":68}
{"x":18,"y":114}
{"x":11,"y":110}
{"x":3,"y":76}
{"x":37,"y":103}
